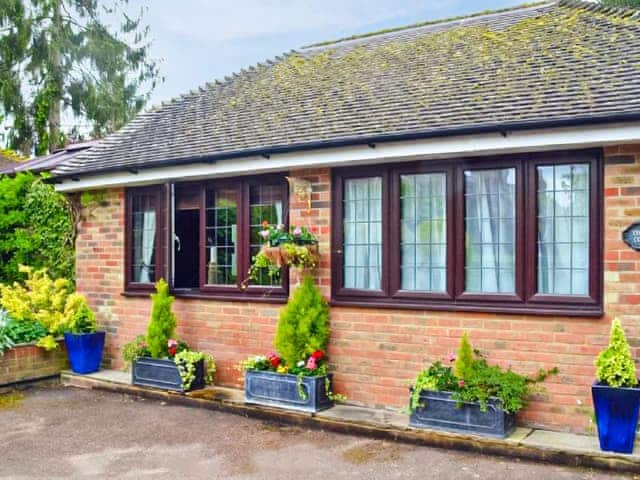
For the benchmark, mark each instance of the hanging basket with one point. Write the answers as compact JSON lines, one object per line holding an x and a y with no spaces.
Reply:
{"x":305,"y":256}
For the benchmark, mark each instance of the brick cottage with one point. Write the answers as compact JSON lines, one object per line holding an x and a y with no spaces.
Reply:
{"x":474,"y":174}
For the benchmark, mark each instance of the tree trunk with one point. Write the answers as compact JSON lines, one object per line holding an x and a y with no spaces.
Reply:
{"x":56,"y":78}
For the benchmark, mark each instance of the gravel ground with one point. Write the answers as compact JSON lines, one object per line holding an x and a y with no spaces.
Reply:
{"x":69,"y":433}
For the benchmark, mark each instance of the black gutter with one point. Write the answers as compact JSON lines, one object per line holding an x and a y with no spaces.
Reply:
{"x":502,"y":128}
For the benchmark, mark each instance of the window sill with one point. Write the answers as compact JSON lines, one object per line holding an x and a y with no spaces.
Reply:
{"x":592,"y":311}
{"x":274,"y":298}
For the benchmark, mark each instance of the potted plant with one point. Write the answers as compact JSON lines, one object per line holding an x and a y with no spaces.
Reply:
{"x":160,"y":360}
{"x":471,"y":396}
{"x":297,"y":378}
{"x":84,"y":343}
{"x":297,"y":248}
{"x":616,"y":396}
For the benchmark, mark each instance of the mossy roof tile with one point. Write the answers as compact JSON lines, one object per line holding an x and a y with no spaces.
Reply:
{"x":552,"y":61}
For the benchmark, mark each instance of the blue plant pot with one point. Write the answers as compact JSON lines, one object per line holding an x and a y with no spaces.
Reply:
{"x":616,"y":416}
{"x":85,"y":351}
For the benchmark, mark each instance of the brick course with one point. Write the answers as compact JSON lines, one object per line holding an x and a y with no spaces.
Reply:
{"x":375,"y":352}
{"x":28,"y":362}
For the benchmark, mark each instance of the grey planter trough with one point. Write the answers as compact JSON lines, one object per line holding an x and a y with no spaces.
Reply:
{"x":439,"y":412}
{"x":164,"y":374}
{"x":281,"y":390}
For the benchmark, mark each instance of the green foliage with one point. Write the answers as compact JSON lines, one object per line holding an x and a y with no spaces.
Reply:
{"x":621,"y":3}
{"x":25,"y":331}
{"x":186,"y":361}
{"x":41,"y":299}
{"x":82,"y":320}
{"x":615,"y":363}
{"x":436,"y":378}
{"x":481,"y":381}
{"x":303,"y":327}
{"x":86,"y":57}
{"x":163,"y":321}
{"x":36,"y":228}
{"x":48,"y":343}
{"x":135,"y":349}
{"x":464,"y":358}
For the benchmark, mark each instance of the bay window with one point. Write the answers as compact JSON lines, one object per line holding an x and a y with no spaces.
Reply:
{"x":514,"y":234}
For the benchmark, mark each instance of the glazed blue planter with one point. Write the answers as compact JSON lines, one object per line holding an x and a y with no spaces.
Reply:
{"x":282,"y":390}
{"x":616,"y":416}
{"x":163,"y":373}
{"x":85,"y":351}
{"x":439,"y":411}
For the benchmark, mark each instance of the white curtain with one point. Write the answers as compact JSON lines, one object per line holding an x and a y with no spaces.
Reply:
{"x":148,"y":245}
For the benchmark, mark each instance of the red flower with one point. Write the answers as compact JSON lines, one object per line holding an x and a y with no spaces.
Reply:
{"x":265,"y":224}
{"x":274,"y":359}
{"x":460,"y":383}
{"x":318,"y":355}
{"x":173,"y":350}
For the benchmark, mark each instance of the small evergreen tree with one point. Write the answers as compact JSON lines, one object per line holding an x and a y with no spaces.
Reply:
{"x":163,"y":321}
{"x":615,"y":363}
{"x":464,"y":360}
{"x":303,"y":327}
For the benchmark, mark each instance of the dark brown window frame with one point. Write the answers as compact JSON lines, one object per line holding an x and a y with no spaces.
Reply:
{"x":240,"y":291}
{"x":525,"y":300}
{"x":158,"y":191}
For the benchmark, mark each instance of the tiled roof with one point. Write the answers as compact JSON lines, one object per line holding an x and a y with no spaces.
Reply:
{"x":47,"y":163}
{"x":560,"y":61}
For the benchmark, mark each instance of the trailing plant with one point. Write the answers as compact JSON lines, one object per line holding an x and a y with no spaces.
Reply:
{"x":186,"y":361}
{"x":297,"y":248}
{"x":615,"y":365}
{"x":303,"y":327}
{"x":163,"y":321}
{"x":472,"y":379}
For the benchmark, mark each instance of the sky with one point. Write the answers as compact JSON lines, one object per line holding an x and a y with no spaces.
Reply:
{"x":199,"y":41}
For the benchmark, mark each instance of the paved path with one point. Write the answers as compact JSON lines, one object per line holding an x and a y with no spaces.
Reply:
{"x":71,"y":433}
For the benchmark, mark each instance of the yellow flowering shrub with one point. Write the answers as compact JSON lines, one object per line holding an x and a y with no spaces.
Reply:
{"x":53,"y":303}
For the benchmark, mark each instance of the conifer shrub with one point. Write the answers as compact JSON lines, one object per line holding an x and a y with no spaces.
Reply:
{"x":162,"y":326}
{"x":463,"y":366}
{"x":303,"y":327}
{"x":615,"y":363}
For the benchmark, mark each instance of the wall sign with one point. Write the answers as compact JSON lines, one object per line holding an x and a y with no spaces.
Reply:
{"x":631,"y":236}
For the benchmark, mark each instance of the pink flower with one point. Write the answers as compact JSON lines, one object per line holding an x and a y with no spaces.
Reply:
{"x":460,"y":383}
{"x":452,"y":357}
{"x":312,"y":364}
{"x":172,"y":343}
{"x":264,"y":233}
{"x":297,"y":231}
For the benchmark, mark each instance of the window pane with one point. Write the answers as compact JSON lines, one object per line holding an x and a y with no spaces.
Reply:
{"x":422,"y":232}
{"x":143,"y":265}
{"x":362,"y":227}
{"x":490,"y":230}
{"x":221,"y":237}
{"x":563,"y":229}
{"x":265,"y":205}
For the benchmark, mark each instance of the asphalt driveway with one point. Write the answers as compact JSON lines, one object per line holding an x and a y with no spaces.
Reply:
{"x":69,"y":433}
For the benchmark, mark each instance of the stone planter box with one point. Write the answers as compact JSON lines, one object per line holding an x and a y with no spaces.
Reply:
{"x":440,"y":413}
{"x":26,"y":362}
{"x":164,"y":374}
{"x":281,"y":390}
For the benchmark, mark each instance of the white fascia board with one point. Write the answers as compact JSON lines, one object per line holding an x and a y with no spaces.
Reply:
{"x":426,"y":149}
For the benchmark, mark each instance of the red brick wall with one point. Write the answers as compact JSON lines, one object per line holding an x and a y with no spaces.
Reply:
{"x":374,"y":351}
{"x":28,"y":362}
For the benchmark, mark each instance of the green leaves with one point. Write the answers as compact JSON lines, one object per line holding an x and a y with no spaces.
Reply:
{"x":616,"y":367}
{"x":163,"y":321}
{"x":303,"y":327}
{"x":60,"y":54}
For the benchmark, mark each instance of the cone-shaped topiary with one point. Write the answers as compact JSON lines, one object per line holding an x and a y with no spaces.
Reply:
{"x":303,"y":327}
{"x":163,"y":321}
{"x":615,"y":363}
{"x":464,"y":359}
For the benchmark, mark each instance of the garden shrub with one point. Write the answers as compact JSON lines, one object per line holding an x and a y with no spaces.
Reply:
{"x":303,"y":327}
{"x":162,"y":326}
{"x":36,"y":228}
{"x":615,"y":363}
{"x":464,"y":360}
{"x":24,"y":332}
